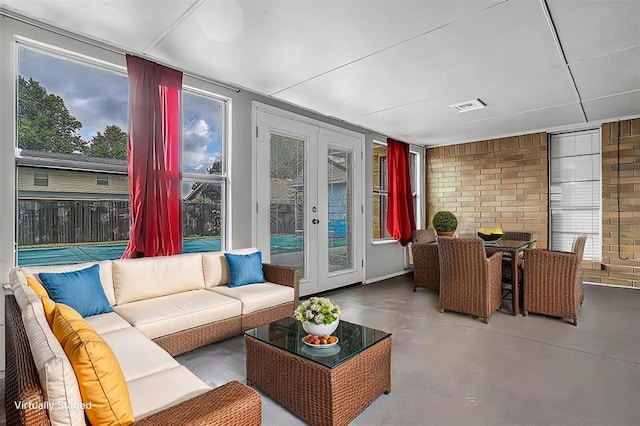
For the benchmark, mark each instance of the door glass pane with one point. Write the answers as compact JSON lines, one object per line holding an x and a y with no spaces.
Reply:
{"x":287,"y":242}
{"x":340,"y":209}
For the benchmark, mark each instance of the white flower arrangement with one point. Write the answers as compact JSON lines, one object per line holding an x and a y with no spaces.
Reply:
{"x":318,"y":310}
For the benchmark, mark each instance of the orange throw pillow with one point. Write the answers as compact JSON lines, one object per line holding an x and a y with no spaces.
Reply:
{"x":37,"y":287}
{"x":102,"y":385}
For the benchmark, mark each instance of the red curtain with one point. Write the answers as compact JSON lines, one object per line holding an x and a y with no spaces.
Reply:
{"x":400,"y":216}
{"x":154,"y":159}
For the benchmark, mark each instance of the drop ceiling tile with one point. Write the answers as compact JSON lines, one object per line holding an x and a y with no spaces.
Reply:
{"x":503,"y":99}
{"x":507,"y":41}
{"x":536,"y":121}
{"x":593,"y":28}
{"x":608,"y":75}
{"x":130,"y":24}
{"x":612,"y":107}
{"x":391,"y":66}
{"x":271,"y":45}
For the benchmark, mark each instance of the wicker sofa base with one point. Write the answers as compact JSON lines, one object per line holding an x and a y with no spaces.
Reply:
{"x":193,"y":338}
{"x":266,"y":316}
{"x":232,"y":404}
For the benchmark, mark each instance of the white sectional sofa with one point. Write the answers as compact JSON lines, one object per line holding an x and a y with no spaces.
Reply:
{"x":162,"y":307}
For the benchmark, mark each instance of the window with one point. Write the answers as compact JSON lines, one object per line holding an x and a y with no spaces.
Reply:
{"x":574,"y":191}
{"x":203,"y":170}
{"x":72,"y":139}
{"x":416,"y":185}
{"x":72,"y":121}
{"x":40,"y":178}
{"x":380,"y":195}
{"x":380,"y":188}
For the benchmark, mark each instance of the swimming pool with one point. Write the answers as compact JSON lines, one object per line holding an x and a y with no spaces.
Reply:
{"x":94,"y":253}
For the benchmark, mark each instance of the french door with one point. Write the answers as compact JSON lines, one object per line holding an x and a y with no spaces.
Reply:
{"x":309,"y":211}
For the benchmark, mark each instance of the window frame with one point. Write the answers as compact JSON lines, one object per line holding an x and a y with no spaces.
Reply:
{"x":417,"y":184}
{"x":416,"y":155}
{"x":92,"y":57}
{"x":595,"y":254}
{"x":50,"y":161}
{"x":221,"y":177}
{"x":383,"y":193}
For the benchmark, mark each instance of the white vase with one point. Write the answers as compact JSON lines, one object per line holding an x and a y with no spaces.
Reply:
{"x":320,"y":329}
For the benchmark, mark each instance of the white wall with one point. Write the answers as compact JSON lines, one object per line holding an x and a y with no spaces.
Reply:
{"x":7,"y":170}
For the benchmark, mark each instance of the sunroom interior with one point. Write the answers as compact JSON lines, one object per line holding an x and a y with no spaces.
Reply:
{"x":523,"y":115}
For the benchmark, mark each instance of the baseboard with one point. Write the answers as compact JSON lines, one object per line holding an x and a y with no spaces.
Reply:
{"x":386,"y":277}
{"x":611,"y":285}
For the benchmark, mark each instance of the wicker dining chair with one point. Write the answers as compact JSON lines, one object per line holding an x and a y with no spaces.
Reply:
{"x":553,"y":281}
{"x":426,"y":267}
{"x":517,"y":235}
{"x":469,"y":281}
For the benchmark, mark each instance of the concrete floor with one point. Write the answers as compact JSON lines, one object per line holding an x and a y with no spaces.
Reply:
{"x":453,"y":369}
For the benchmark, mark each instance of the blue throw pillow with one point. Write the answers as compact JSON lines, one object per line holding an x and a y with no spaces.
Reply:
{"x":80,"y":289}
{"x":245,"y":268}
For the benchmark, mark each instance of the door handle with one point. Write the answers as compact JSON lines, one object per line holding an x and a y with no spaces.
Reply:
{"x":315,"y":221}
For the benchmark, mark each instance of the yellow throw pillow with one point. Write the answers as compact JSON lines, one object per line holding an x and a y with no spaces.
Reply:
{"x":102,"y":386}
{"x":37,"y":287}
{"x":49,"y":309}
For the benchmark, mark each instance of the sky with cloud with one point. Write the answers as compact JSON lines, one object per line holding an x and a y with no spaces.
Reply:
{"x":99,"y":98}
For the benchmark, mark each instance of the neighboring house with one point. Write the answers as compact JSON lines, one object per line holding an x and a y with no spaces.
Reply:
{"x":71,"y":205}
{"x":51,"y":183}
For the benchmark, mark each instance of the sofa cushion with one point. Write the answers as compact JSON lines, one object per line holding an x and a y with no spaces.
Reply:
{"x":156,"y":392}
{"x":79,"y":289}
{"x":244,"y":268}
{"x":17,"y":278}
{"x":106,"y":276}
{"x":57,"y":378}
{"x":139,"y":279}
{"x":258,"y":296}
{"x":102,"y":384}
{"x":24,"y":296}
{"x":137,"y":355}
{"x":105,"y":323}
{"x":165,"y":315}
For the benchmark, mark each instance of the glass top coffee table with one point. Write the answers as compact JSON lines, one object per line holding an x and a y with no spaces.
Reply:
{"x":324,"y":386}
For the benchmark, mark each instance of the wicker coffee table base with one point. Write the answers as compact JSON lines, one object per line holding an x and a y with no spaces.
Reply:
{"x":320,"y":395}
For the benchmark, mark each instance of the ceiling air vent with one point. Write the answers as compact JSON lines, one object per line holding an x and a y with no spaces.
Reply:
{"x":467,"y":105}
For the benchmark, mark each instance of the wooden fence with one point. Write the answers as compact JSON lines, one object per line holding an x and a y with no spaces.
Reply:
{"x":72,"y":221}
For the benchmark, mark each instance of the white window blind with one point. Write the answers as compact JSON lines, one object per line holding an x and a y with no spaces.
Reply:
{"x":574,"y":191}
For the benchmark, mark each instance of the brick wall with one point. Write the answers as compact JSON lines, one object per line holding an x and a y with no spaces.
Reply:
{"x":614,"y":268}
{"x":499,"y":182}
